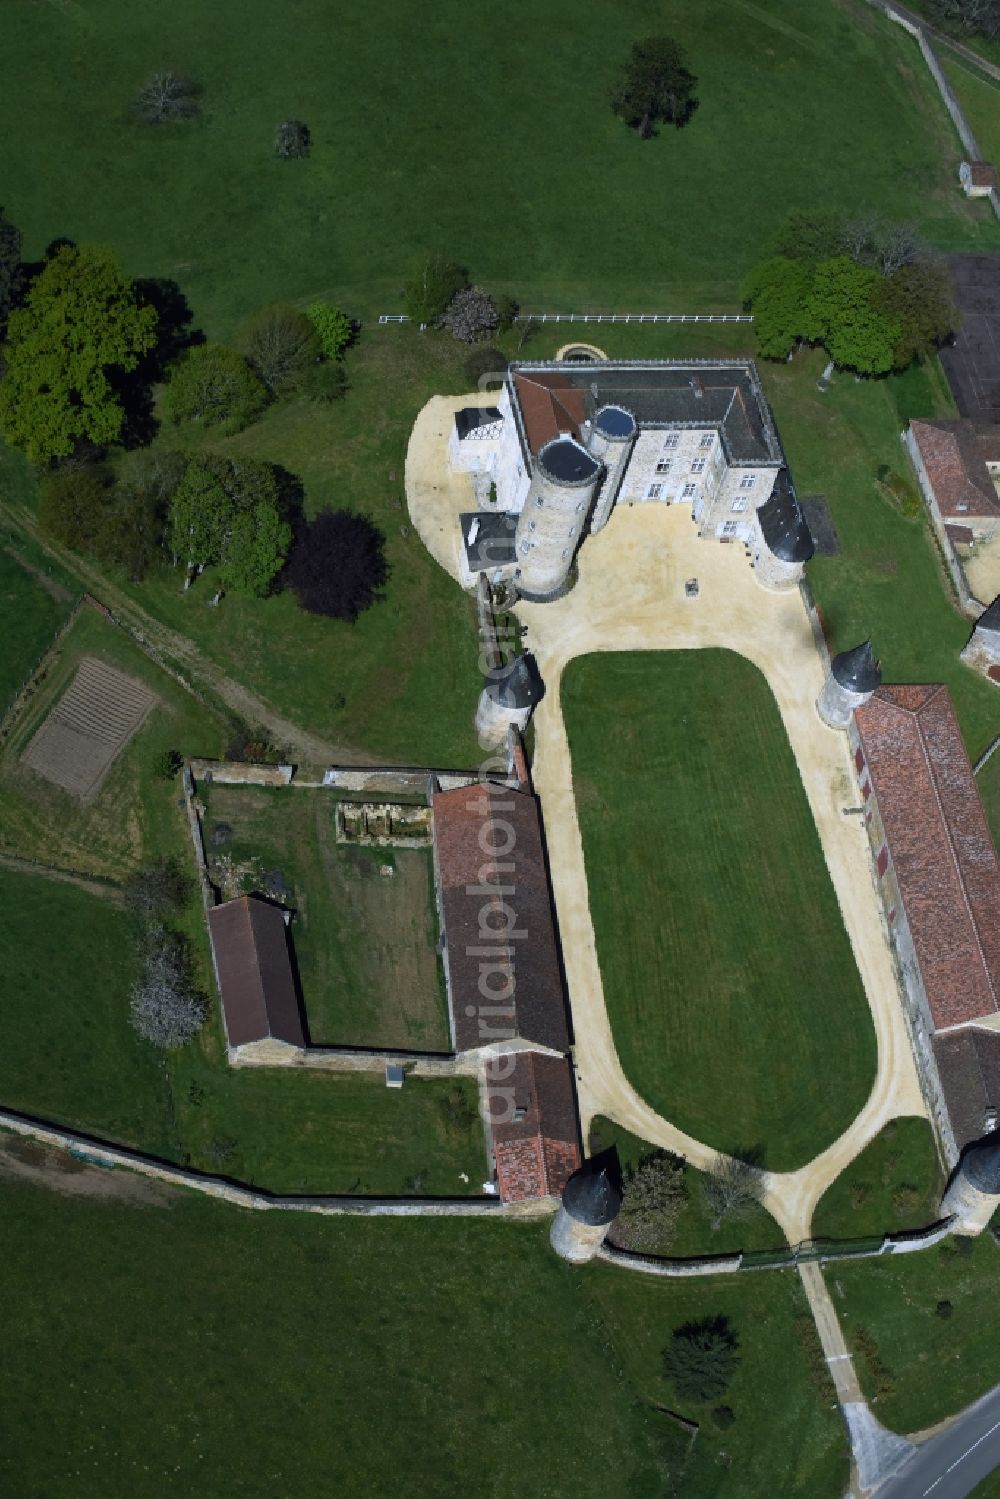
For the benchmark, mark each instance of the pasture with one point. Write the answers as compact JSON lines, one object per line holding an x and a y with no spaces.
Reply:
{"x":431,"y":131}
{"x":729,"y":979}
{"x":31,"y":616}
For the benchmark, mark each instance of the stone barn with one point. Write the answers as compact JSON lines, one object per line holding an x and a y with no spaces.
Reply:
{"x":253,"y":967}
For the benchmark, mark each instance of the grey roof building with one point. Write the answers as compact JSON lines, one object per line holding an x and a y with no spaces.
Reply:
{"x":857,"y":669}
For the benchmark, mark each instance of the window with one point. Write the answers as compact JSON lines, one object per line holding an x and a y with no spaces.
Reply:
{"x":654,"y":491}
{"x":532,"y":524}
{"x":664,"y":466}
{"x":730,"y":527}
{"x":539,"y":502}
{"x":671,"y":440}
{"x":689,"y":490}
{"x":748,"y":481}
{"x":707,"y":440}
{"x":882,"y":862}
{"x":859,"y":759}
{"x":866,"y":788}
{"x":698,"y":466}
{"x":739,"y":502}
{"x":525,"y":548}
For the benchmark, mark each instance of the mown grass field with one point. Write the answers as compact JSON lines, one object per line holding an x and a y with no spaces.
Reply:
{"x":198,"y":1349}
{"x":752,"y":1229}
{"x":428,"y":133}
{"x":31,"y":616}
{"x":935,"y":1364}
{"x":729,"y":978}
{"x":979,"y":96}
{"x":364,"y":943}
{"x":894,"y":1184}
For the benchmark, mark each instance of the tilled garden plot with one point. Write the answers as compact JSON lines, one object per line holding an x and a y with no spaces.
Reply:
{"x":88,"y":728}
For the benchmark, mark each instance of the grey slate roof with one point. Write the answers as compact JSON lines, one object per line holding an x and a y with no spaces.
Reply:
{"x":981,"y":1166}
{"x":990,"y":618}
{"x":857,"y":669}
{"x":594,"y":1193}
{"x":516,"y":685}
{"x":567,"y":462}
{"x":968,"y":1063}
{"x":494,"y":543}
{"x":782,"y":524}
{"x":471,"y":417}
{"x":662,"y":393}
{"x":615,"y":422}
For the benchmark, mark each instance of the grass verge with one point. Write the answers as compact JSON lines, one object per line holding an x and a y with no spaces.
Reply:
{"x":895,"y":1183}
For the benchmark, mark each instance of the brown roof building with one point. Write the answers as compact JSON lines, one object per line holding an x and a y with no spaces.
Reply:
{"x":536,"y":1138}
{"x":934,"y":853}
{"x":550,"y":404}
{"x":968,"y":1063}
{"x":254,"y":968}
{"x":500,"y":951}
{"x":954,"y":456}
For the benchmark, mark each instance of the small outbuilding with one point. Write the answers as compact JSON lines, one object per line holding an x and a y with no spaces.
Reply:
{"x":978,"y":178}
{"x":260,"y":1005}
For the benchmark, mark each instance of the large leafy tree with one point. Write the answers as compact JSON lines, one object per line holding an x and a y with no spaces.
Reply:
{"x":842,"y":314}
{"x":73,"y":504}
{"x":434,"y":282}
{"x":702,"y":1358}
{"x":337,"y":565}
{"x":227,"y":511}
{"x":215,"y":386}
{"x":654,"y":1195}
{"x":778,"y":291}
{"x":281,"y":344}
{"x":81,"y":324}
{"x":656,"y":84}
{"x":918,"y":299}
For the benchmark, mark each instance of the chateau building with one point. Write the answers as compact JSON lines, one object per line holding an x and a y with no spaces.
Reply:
{"x":567,"y":441}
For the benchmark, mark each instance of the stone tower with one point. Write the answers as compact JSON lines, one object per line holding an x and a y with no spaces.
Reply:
{"x":983,"y":650}
{"x":506,"y":701}
{"x":852,"y":678}
{"x":554,"y":514}
{"x":784,"y":542}
{"x":610,"y":439}
{"x":590,"y":1203}
{"x":973,"y":1194}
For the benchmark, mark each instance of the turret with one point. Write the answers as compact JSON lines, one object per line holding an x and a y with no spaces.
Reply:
{"x":555,"y":512}
{"x":983,"y":649}
{"x":610,"y":439}
{"x":973,"y":1194}
{"x":852,"y":678}
{"x":786,"y":543}
{"x":506,"y":701}
{"x":590,"y":1203}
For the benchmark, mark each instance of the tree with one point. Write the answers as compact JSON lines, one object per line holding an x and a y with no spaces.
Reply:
{"x":732,"y":1186}
{"x":292,"y":139}
{"x":841,"y":314}
{"x":254,"y":550}
{"x":228,"y":511}
{"x":653,"y":1194}
{"x":337,"y":564}
{"x":656,"y":84}
{"x":162,"y":887}
{"x":72,"y":504}
{"x":80,"y":326}
{"x":982,"y":16}
{"x":281,"y":344}
{"x":11,"y":270}
{"x":702,"y":1358}
{"x":200,"y":513}
{"x":333,"y":328}
{"x":216,"y":386}
{"x":432,"y":286}
{"x":471,"y":315}
{"x":166,"y":97}
{"x":166,"y":1008}
{"x":507,"y":311}
{"x":778,"y":291}
{"x":917,"y":299}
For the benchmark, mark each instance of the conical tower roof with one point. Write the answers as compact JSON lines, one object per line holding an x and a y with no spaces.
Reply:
{"x":990,"y":618}
{"x":593,"y":1194}
{"x":857,"y":669}
{"x":981,"y":1166}
{"x":516,"y":685}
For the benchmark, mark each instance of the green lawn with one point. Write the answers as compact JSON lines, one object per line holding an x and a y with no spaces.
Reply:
{"x":165,"y":1349}
{"x":31,"y":615}
{"x":935,"y":1365}
{"x":693,"y":1234}
{"x":364,"y":943}
{"x":426,"y":132}
{"x":895,"y":1183}
{"x":979,"y":96}
{"x":729,"y":978}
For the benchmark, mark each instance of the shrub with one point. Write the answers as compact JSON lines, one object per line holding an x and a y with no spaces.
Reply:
{"x":732,"y":1187}
{"x":166,"y":1008}
{"x":166,"y":97}
{"x":702,"y":1358}
{"x":884,"y":1381}
{"x":282,"y":345}
{"x":337,"y":564}
{"x":169,"y":764}
{"x":860,"y":1193}
{"x":292,"y":139}
{"x":944,"y":1309}
{"x":216,"y":386}
{"x":471,"y":315}
{"x":507,"y":311}
{"x":72,"y":505}
{"x":653,"y":1194}
{"x":432,"y":286}
{"x":906,"y":1201}
{"x":723,"y":1416}
{"x":333,"y":328}
{"x":159,"y":888}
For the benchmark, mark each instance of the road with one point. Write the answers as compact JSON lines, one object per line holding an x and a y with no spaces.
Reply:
{"x":950,"y":1465}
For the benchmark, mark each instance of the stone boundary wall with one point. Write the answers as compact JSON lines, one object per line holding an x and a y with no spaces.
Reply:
{"x":414,"y":779}
{"x":490,"y":656}
{"x":100,"y":1153}
{"x":242,"y":773}
{"x":360,"y":1059}
{"x":819,"y":634}
{"x":649,"y":1265}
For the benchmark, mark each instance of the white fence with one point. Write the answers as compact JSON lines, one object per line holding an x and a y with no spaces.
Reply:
{"x":607,"y":317}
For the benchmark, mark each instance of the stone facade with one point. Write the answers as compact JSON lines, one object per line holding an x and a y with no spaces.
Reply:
{"x":973,"y":1194}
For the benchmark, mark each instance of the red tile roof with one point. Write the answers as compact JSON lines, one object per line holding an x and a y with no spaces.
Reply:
{"x":550,"y":404}
{"x":940,"y":845}
{"x":504,"y":978}
{"x":982,"y":173}
{"x":538,"y":1151}
{"x":256,"y":982}
{"x":955,"y":456}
